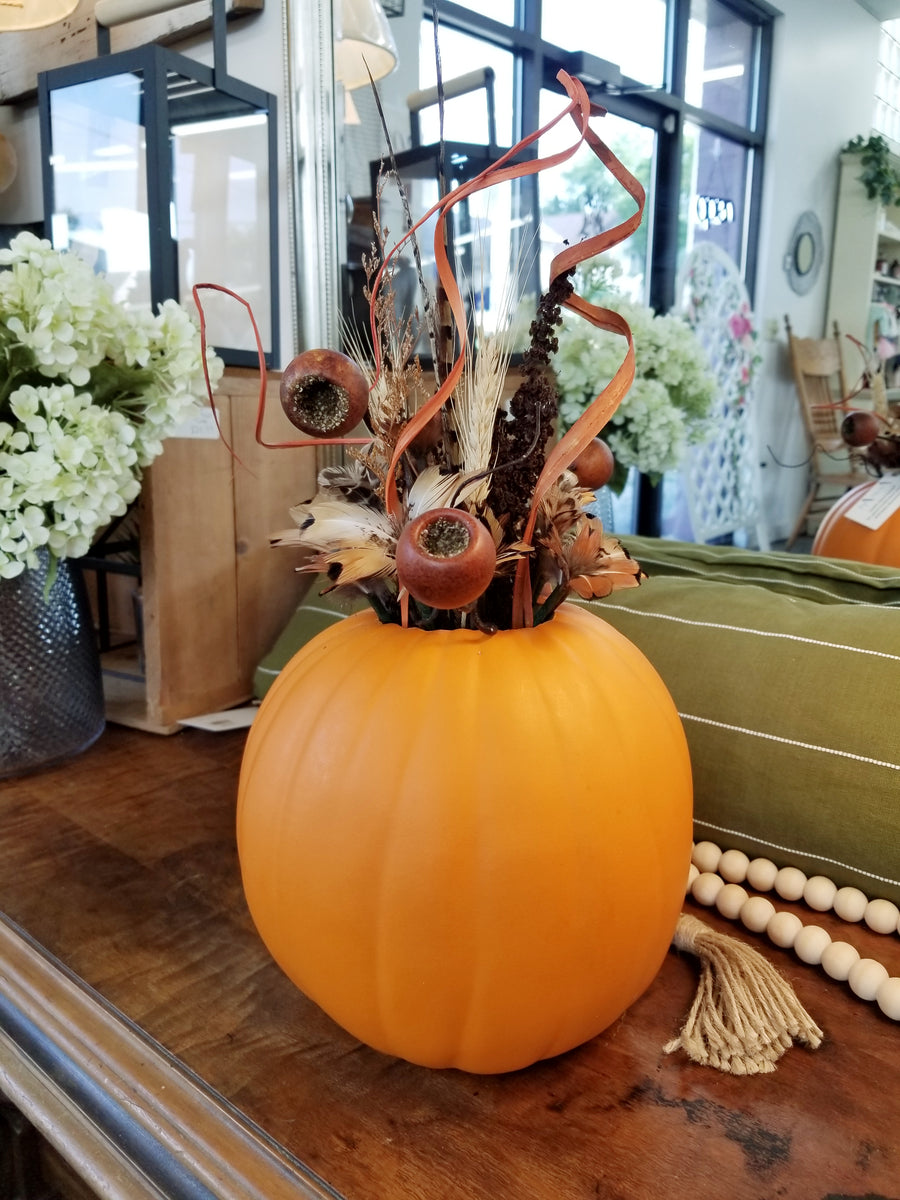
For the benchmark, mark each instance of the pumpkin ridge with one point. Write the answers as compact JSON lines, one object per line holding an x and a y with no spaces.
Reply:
{"x":636,"y":682}
{"x":388,"y":908}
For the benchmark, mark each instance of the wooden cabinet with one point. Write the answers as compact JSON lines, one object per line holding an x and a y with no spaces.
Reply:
{"x":862,"y":299}
{"x":214,"y":595}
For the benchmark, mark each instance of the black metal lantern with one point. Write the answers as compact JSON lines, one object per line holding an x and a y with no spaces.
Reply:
{"x":162,"y":172}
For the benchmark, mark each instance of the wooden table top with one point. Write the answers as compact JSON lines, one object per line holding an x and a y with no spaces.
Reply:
{"x":122,"y":864}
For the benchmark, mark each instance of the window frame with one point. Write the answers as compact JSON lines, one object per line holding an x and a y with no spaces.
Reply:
{"x":665,"y":110}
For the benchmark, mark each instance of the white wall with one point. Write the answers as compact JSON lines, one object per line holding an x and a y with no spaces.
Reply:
{"x":822,"y":94}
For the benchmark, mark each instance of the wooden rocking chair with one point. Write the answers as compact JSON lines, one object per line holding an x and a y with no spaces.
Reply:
{"x":821,"y":384}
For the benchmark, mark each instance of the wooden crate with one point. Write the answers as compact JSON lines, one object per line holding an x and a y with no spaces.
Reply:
{"x":214,"y":594}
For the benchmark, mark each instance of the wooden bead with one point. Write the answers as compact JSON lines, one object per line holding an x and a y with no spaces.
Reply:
{"x":819,"y":893}
{"x":761,"y":874}
{"x":706,"y":887}
{"x":882,"y":916}
{"x":706,"y":856}
{"x":730,"y":900}
{"x":783,"y":929}
{"x":838,"y":958}
{"x":866,"y":977}
{"x":810,"y":944}
{"x":733,"y":866}
{"x":850,"y":903}
{"x":888,"y":998}
{"x":757,"y":913}
{"x":789,"y":883}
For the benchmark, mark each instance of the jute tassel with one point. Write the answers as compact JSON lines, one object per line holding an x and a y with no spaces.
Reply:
{"x":745,"y":1014}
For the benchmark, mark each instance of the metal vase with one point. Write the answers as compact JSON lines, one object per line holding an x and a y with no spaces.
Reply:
{"x":51,"y":694}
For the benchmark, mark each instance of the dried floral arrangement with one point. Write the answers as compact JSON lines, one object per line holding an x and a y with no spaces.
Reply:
{"x":457,"y":509}
{"x":873,"y":438}
{"x":872,"y":435}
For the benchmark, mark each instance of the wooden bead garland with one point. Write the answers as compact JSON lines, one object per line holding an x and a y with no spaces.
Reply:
{"x":715,"y":880}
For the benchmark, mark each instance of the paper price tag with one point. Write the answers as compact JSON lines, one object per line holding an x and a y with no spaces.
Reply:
{"x":222,"y":722}
{"x":880,"y":502}
{"x":201,"y":425}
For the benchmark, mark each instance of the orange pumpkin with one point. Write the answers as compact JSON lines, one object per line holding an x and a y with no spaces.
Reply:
{"x":841,"y":537}
{"x":469,"y":849}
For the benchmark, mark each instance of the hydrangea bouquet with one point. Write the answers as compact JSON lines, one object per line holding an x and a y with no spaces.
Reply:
{"x":88,"y":392}
{"x":673,"y":389}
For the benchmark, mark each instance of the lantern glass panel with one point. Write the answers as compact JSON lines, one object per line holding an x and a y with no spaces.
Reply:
{"x":220,"y":213}
{"x":100,"y":180}
{"x":160,"y":172}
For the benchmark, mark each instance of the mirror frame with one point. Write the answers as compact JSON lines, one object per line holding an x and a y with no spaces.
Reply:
{"x":807,"y":230}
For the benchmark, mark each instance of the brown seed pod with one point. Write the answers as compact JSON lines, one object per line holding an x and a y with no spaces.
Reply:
{"x":594,"y":466}
{"x":324,"y":393}
{"x":860,"y":428}
{"x":445,"y":558}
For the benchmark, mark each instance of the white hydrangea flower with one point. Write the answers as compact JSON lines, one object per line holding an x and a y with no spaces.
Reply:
{"x":672,"y":394}
{"x":116,"y":383}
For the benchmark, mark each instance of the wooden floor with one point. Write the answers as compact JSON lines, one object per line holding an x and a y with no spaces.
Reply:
{"x":122,"y":864}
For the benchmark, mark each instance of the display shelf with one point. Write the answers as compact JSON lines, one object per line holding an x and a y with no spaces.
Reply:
{"x":864,"y":232}
{"x":888,"y":231}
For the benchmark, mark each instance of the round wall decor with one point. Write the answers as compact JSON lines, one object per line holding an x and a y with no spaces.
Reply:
{"x":804,"y":258}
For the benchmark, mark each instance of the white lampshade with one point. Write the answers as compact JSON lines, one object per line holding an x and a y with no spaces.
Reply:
{"x":362,"y":38}
{"x":16,"y":15}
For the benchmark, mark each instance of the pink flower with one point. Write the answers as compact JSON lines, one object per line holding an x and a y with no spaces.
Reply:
{"x":740,"y":326}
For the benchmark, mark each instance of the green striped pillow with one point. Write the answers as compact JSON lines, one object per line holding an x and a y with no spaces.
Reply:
{"x":789,"y":710}
{"x":809,"y":577}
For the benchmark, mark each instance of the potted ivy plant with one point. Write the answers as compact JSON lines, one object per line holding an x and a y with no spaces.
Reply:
{"x":879,"y":176}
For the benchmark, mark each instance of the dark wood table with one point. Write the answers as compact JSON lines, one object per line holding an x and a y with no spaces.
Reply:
{"x":146,"y":1033}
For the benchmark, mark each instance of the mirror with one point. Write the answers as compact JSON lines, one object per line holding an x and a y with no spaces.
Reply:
{"x":804,"y":253}
{"x":804,"y":259}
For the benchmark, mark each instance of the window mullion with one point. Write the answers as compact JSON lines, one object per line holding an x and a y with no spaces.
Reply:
{"x":679,"y":12}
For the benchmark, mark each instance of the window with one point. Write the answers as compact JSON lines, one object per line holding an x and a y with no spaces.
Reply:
{"x":466,"y":117}
{"x":886,"y":120}
{"x":719,"y":75}
{"x":632,"y":35}
{"x":713,"y":195}
{"x":684,"y":83}
{"x":581,"y":198}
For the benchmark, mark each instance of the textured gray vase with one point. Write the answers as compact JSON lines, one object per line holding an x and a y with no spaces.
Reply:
{"x":51,"y":695}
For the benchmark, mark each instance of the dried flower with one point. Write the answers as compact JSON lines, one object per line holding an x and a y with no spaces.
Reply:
{"x":502,"y":468}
